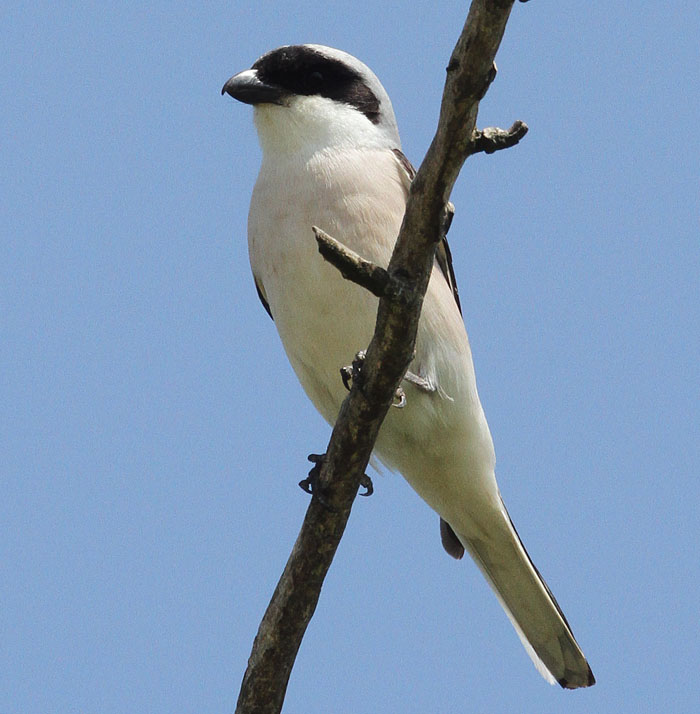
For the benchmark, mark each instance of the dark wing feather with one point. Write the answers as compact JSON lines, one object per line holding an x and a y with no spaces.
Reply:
{"x":444,"y":261}
{"x":450,"y":542}
{"x":261,"y":295}
{"x":443,"y":256}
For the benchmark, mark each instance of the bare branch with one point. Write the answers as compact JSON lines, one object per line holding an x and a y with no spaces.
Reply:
{"x":493,"y":139}
{"x":363,"y":272}
{"x":389,"y":354}
{"x":351,"y":265}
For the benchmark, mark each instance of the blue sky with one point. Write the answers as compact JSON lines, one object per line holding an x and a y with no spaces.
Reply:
{"x":154,"y":433}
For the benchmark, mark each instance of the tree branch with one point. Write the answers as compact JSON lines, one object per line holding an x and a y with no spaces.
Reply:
{"x":492,"y":139}
{"x":389,"y":354}
{"x":351,"y":265}
{"x":363,"y":272}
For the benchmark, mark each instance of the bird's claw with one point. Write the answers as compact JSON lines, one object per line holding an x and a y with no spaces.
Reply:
{"x":366,"y":483}
{"x":311,"y":483}
{"x":346,"y":376}
{"x":351,"y":373}
{"x":399,"y":399}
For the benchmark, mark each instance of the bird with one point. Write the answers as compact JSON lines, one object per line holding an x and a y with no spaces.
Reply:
{"x":332,"y":158}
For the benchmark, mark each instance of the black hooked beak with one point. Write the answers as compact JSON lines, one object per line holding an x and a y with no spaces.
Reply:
{"x":247,"y":87}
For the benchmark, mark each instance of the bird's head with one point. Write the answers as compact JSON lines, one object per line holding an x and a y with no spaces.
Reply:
{"x":311,"y":97}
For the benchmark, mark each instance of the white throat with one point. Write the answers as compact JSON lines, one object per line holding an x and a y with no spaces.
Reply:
{"x":313,"y":123}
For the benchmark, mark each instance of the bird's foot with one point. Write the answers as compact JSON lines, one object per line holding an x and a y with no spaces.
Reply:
{"x":423,"y":384}
{"x":351,"y":373}
{"x":399,"y":399}
{"x":366,"y":483}
{"x":311,"y":483}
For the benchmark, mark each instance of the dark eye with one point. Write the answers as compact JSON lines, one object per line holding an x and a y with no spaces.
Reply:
{"x":315,"y":78}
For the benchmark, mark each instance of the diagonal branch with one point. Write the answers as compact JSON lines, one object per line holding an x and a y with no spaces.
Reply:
{"x":469,"y":74}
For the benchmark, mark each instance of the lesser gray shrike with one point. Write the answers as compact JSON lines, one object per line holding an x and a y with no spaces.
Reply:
{"x":331,"y":157}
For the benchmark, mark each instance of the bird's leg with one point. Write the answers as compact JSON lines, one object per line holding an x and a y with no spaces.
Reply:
{"x":423,"y":384}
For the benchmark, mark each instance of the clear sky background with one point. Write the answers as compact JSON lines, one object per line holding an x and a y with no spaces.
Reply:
{"x":153,"y":433}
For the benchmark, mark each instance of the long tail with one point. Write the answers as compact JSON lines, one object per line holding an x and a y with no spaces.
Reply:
{"x":528,"y":602}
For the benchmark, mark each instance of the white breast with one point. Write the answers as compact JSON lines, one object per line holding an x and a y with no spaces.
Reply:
{"x":323,"y":320}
